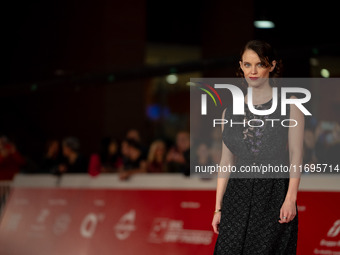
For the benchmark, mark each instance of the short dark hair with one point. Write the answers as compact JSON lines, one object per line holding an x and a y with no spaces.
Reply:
{"x":133,"y":143}
{"x":72,"y":143}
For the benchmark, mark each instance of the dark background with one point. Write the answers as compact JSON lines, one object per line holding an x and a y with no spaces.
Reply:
{"x":80,"y":67}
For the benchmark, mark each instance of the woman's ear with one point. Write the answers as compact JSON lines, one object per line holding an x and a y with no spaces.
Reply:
{"x":273,"y":66}
{"x":241,"y":65}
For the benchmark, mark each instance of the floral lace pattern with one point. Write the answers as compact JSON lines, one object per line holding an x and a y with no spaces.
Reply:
{"x":252,"y":134}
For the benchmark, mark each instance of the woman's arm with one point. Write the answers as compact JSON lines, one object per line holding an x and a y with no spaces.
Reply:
{"x":227,"y":158}
{"x":295,"y":144}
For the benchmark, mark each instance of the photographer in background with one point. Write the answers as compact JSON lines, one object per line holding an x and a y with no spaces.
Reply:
{"x":74,"y":161}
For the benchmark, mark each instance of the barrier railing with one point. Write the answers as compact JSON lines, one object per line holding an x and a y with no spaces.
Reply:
{"x":77,"y":213}
{"x":5,"y":189}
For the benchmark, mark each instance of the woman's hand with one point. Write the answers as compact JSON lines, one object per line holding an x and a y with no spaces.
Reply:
{"x":124,"y":175}
{"x":216,"y":222}
{"x":288,"y":210}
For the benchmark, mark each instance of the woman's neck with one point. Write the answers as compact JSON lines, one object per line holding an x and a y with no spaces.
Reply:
{"x":261,"y":94}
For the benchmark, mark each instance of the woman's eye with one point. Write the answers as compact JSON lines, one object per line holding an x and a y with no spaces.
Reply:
{"x":260,"y":65}
{"x":246,"y":64}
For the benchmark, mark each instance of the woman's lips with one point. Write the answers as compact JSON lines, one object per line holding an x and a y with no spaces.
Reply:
{"x":253,"y":78}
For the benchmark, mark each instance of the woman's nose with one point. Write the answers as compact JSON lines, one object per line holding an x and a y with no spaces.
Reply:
{"x":254,"y":70}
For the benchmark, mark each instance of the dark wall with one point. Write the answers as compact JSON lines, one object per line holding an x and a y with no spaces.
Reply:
{"x":227,"y":27}
{"x":58,"y":38}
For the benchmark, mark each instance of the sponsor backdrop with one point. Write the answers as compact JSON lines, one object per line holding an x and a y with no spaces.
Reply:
{"x":141,"y":221}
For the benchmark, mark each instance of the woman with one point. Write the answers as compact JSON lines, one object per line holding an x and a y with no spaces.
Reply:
{"x":110,"y":155}
{"x":259,"y":215}
{"x":156,"y":157}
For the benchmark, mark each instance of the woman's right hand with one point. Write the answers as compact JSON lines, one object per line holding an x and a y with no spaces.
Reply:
{"x":216,"y":222}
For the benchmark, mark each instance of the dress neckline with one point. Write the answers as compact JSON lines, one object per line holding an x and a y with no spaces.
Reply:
{"x":260,"y":104}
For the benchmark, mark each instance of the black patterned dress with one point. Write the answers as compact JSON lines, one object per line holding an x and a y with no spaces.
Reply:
{"x":251,"y":203}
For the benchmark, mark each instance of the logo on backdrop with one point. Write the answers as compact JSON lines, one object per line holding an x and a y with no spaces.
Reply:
{"x":61,"y":224}
{"x":126,"y":225}
{"x":331,"y":241}
{"x":89,"y":224}
{"x":334,"y":230}
{"x":165,"y":230}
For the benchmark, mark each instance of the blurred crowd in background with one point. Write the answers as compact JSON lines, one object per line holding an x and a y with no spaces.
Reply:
{"x":81,"y":67}
{"x":126,"y":156}
{"x":129,"y":155}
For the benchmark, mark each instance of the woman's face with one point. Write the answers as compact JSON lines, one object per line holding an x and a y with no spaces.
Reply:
{"x":125,"y":148}
{"x":112,"y":149}
{"x":54,"y":147}
{"x":254,"y":71}
{"x":160,"y":150}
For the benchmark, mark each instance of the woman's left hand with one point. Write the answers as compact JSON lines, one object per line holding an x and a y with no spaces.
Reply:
{"x":288,"y":209}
